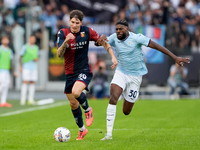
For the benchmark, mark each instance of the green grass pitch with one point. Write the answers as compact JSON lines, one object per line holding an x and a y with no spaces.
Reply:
{"x":152,"y":125}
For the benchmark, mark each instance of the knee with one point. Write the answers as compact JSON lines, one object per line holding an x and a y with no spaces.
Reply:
{"x":126,"y":112}
{"x":113,"y":99}
{"x":76,"y":93}
{"x":74,"y":104}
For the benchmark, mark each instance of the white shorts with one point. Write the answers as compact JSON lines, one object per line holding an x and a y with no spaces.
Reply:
{"x":4,"y":78}
{"x":130,"y":85}
{"x":29,"y":75}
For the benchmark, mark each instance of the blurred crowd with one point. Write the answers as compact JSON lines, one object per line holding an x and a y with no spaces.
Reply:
{"x":181,"y":17}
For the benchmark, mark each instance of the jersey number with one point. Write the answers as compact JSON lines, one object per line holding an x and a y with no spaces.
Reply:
{"x":82,"y":76}
{"x":133,"y":94}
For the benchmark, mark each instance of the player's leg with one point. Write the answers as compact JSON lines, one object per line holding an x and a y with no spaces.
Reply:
{"x":4,"y":90}
{"x":33,"y":79}
{"x":77,"y":113}
{"x":131,"y":93}
{"x":24,"y":87}
{"x":117,"y":85}
{"x":82,"y":83}
{"x":81,"y":97}
{"x":31,"y":93}
{"x":127,"y":107}
{"x":115,"y":92}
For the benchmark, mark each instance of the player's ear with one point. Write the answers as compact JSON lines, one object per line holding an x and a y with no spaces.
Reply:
{"x":81,"y":22}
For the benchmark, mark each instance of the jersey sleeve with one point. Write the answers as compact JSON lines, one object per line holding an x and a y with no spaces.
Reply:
{"x":60,"y":38}
{"x":23,"y":50}
{"x":143,"y":40}
{"x":94,"y":36}
{"x":38,"y":51}
{"x":111,"y":39}
{"x":11,"y":54}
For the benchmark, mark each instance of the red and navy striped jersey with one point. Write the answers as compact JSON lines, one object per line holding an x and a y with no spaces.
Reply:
{"x":76,"y":54}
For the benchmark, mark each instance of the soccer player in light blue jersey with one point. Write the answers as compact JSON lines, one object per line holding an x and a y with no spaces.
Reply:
{"x":28,"y":67}
{"x":6,"y":55}
{"x":131,"y":67}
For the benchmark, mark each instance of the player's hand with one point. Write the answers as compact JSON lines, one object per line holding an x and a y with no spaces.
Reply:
{"x":181,"y":60}
{"x":101,"y":40}
{"x":15,"y":74}
{"x":36,"y":59}
{"x":69,"y":36}
{"x":97,"y":44}
{"x":115,"y":62}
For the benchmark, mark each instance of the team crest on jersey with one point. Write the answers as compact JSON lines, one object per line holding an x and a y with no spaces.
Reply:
{"x":82,"y":34}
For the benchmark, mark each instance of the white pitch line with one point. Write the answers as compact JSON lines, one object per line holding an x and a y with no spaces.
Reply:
{"x":33,"y":109}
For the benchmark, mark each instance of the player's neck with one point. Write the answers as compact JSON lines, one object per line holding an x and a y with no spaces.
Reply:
{"x":75,"y":31}
{"x":5,"y":46}
{"x":31,"y":44}
{"x":127,"y":34}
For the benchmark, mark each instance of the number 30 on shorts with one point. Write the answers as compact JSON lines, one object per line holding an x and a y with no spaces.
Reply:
{"x":133,"y":93}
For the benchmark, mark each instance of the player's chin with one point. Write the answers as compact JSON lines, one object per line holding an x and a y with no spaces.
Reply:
{"x":74,"y":30}
{"x":119,"y":37}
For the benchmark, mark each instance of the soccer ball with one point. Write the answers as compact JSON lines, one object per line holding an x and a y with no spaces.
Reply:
{"x":62,"y":134}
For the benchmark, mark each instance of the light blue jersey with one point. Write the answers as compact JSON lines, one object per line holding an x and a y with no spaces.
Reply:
{"x":2,"y":48}
{"x":31,"y":65}
{"x":129,"y":53}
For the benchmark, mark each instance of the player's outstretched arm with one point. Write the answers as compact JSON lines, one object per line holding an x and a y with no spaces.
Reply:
{"x":178,"y":60}
{"x":110,"y":51}
{"x":62,"y":48}
{"x":100,"y":40}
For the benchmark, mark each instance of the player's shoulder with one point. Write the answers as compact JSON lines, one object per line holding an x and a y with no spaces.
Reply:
{"x":114,"y":35}
{"x":86,"y":29}
{"x":24,"y":46}
{"x":63,"y":31}
{"x":37,"y":46}
{"x":134,"y":34}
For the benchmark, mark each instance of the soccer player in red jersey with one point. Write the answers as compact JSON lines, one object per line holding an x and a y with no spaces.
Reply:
{"x":73,"y":43}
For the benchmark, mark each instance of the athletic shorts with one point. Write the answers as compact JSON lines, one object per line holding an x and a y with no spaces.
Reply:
{"x":29,"y":75}
{"x":130,"y":85}
{"x":4,"y":78}
{"x":84,"y":77}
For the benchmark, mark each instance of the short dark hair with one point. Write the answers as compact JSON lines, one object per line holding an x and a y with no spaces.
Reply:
{"x":4,"y":36}
{"x":122,"y":22}
{"x":77,"y":14}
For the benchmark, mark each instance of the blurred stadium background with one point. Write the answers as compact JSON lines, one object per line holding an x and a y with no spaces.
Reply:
{"x":174,"y":24}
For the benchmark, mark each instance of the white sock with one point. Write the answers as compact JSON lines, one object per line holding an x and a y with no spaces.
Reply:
{"x":111,"y":112}
{"x":87,"y":110}
{"x":82,"y":128}
{"x":4,"y":92}
{"x":23,"y":93}
{"x":31,"y":92}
